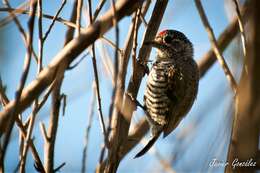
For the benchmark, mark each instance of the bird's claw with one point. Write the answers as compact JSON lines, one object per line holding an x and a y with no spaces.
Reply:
{"x":137,"y":103}
{"x":144,"y":66}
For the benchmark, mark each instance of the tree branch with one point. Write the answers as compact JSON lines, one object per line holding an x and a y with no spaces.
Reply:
{"x":62,"y":60}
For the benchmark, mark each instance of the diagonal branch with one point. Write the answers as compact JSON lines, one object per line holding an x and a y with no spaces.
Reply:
{"x":205,"y":63}
{"x":27,"y":63}
{"x":62,"y":60}
{"x":54,"y":19}
{"x":214,"y":45}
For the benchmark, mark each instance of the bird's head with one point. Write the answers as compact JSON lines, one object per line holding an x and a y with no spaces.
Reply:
{"x":170,"y":43}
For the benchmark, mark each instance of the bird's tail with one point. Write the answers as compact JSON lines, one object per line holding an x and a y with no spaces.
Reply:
{"x":147,"y":147}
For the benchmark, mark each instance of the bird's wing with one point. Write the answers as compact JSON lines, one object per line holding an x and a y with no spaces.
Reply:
{"x":176,"y":93}
{"x":184,"y":91}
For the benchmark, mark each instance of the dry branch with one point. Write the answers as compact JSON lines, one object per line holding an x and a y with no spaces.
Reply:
{"x":124,"y":109}
{"x":62,"y":60}
{"x":241,"y":26}
{"x":205,"y":64}
{"x":123,"y":62}
{"x":244,"y":142}
{"x":23,"y":132}
{"x":94,"y":64}
{"x":215,"y":47}
{"x":50,"y":136}
{"x":78,"y":20}
{"x":54,"y":20}
{"x":27,"y":63}
{"x":86,"y":139}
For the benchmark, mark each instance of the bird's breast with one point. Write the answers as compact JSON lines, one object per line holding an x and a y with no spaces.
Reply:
{"x":156,"y":99}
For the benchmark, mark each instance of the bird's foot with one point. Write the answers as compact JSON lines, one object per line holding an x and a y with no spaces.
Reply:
{"x":137,"y":103}
{"x":144,"y":66}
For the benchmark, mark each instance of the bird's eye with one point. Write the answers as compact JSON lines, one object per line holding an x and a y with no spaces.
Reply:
{"x":167,"y":39}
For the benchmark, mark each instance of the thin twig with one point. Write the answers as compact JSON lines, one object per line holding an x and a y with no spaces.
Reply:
{"x":25,"y":72}
{"x":40,"y":41}
{"x":117,"y":43}
{"x":94,"y":64}
{"x":115,"y":78}
{"x":36,"y":108}
{"x":19,"y":25}
{"x":136,"y":19}
{"x":214,"y":45}
{"x":35,"y":105}
{"x":50,"y":136}
{"x":86,"y":139}
{"x":46,"y":16}
{"x":77,"y":63}
{"x":28,"y":138}
{"x":78,"y":20}
{"x":143,"y":20}
{"x":112,"y":44}
{"x":59,"y":167}
{"x":23,"y":130}
{"x":49,"y":142}
{"x":23,"y":6}
{"x":100,"y":6}
{"x":43,"y":130}
{"x":53,"y":20}
{"x":205,"y":63}
{"x":242,"y":30}
{"x":223,"y":41}
{"x":64,"y":58}
{"x":124,"y":107}
{"x":107,"y":62}
{"x":121,"y":76}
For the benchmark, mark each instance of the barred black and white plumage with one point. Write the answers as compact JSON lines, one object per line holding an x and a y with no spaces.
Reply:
{"x":155,"y":97}
{"x":172,"y":84}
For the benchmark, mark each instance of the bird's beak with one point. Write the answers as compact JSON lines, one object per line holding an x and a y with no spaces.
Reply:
{"x":157,"y":43}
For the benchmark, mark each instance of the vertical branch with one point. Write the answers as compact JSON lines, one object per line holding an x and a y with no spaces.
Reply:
{"x":19,"y":26}
{"x":124,"y":59}
{"x":115,"y":74}
{"x":40,"y":41}
{"x":50,"y":136}
{"x":124,"y":113}
{"x":115,"y":80}
{"x":117,"y":43}
{"x":94,"y":63}
{"x":241,"y":26}
{"x":49,"y":142}
{"x":136,"y":19}
{"x":205,"y":63}
{"x":244,"y":144}
{"x":86,"y":139}
{"x":213,"y":41}
{"x":25,"y":72}
{"x":23,"y":133}
{"x":79,"y":9}
{"x":35,"y":105}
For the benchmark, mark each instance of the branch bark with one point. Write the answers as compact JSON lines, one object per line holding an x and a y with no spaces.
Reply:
{"x":124,"y":108}
{"x":245,"y":131}
{"x":62,"y":60}
{"x":205,"y":63}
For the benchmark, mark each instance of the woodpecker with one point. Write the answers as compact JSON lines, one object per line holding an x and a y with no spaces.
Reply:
{"x":172,"y":84}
